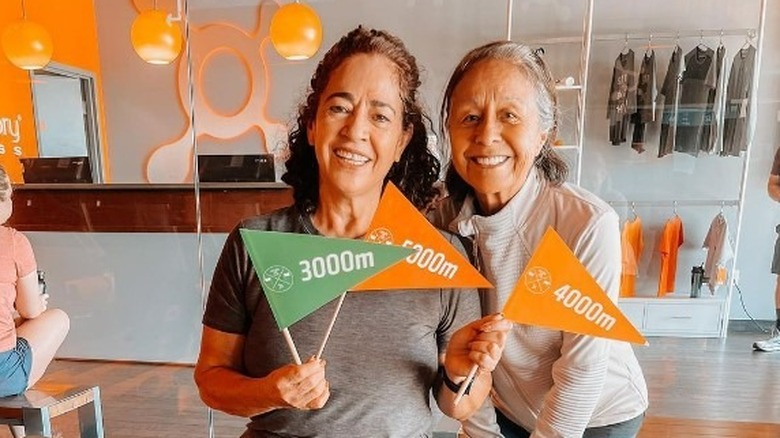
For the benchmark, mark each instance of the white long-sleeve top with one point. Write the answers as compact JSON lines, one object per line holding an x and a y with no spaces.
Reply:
{"x":550,"y":382}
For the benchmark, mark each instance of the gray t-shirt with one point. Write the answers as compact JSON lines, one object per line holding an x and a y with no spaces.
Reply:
{"x":382,"y":354}
{"x":670,"y":92}
{"x":737,"y":117}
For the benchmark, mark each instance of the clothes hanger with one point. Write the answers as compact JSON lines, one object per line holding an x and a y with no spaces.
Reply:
{"x":702,"y":47}
{"x":625,"y":47}
{"x":674,"y":208}
{"x":649,"y":45}
{"x":633,"y":211}
{"x":748,"y":39}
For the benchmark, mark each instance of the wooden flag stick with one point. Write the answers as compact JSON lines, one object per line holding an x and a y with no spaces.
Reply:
{"x":332,"y":323}
{"x":291,"y":344}
{"x":465,"y":384}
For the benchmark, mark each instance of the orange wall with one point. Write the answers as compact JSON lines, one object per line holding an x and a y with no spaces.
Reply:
{"x":73,"y":29}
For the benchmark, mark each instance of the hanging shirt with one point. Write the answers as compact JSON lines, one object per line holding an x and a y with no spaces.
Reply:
{"x":631,"y":244}
{"x":698,"y":81}
{"x":646,"y":93}
{"x":670,"y":91}
{"x":719,"y":251}
{"x":737,"y":116}
{"x":712,"y":141}
{"x":622,"y":97}
{"x":671,"y":240}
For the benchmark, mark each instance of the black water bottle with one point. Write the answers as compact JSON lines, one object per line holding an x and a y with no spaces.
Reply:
{"x":42,"y":281}
{"x":697,"y":278}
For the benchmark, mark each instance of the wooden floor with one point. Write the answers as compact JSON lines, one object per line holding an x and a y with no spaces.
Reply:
{"x":698,"y":388}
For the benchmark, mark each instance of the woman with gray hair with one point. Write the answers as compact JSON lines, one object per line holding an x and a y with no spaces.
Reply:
{"x":506,"y":186}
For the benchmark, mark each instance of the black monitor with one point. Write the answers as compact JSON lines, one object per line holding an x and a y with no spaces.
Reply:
{"x":59,"y":170}
{"x":236,"y":168}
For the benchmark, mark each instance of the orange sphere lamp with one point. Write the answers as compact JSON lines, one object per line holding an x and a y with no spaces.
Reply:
{"x":155,"y":38}
{"x":296,"y":31}
{"x":27,"y":45}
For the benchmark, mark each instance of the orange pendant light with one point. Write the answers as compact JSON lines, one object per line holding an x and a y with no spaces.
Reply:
{"x":155,"y":38}
{"x":296,"y":31}
{"x":26,"y":44}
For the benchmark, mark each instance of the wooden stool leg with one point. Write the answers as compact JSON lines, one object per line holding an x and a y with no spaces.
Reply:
{"x":37,"y":422}
{"x":91,"y":417}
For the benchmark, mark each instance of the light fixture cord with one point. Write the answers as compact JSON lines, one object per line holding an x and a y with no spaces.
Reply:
{"x":24,"y":11}
{"x":155,"y":5}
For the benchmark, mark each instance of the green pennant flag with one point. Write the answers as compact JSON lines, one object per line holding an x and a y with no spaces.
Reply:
{"x":301,"y":273}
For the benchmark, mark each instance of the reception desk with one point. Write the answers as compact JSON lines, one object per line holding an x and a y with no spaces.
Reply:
{"x":165,"y":208}
{"x":126,"y":261}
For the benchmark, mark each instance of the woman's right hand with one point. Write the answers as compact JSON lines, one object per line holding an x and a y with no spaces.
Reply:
{"x":300,"y":386}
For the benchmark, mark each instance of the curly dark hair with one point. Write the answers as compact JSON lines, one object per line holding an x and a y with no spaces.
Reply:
{"x":417,"y":170}
{"x":530,"y":62}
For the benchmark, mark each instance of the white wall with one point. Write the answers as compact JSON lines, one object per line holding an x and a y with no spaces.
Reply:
{"x":761,"y":214}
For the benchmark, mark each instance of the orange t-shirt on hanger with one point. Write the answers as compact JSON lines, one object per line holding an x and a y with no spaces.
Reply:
{"x":631,"y":246}
{"x":671,"y":240}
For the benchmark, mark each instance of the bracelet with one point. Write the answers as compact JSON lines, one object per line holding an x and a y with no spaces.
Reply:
{"x":454,"y":387}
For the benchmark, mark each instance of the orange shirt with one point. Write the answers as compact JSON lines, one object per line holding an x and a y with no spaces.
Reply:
{"x":631,"y":243}
{"x":671,"y":240}
{"x":16,"y":260}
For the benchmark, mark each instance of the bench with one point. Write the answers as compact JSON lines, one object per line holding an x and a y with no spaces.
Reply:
{"x":34,"y":409}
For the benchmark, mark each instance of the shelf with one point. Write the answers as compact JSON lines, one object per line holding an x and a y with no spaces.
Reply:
{"x":678,"y":315}
{"x":561,"y":87}
{"x":567,"y":146}
{"x":673,"y":298}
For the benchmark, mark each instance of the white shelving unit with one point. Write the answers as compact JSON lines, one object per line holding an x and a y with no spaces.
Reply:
{"x":574,"y":147}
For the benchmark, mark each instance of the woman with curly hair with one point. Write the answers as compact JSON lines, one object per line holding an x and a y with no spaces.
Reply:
{"x":360,"y":126}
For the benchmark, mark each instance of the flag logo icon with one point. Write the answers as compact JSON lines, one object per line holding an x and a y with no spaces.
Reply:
{"x":277,"y":278}
{"x":380,"y":235}
{"x":538,"y":280}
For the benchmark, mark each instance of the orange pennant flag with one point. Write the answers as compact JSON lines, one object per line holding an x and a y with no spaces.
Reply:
{"x":434,"y":264}
{"x":557,"y":292}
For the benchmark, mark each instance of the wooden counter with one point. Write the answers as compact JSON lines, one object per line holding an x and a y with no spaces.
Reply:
{"x":160,"y":208}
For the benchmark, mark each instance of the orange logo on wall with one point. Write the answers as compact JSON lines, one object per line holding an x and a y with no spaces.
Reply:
{"x":556,"y":291}
{"x":435,"y":262}
{"x":211,"y":43}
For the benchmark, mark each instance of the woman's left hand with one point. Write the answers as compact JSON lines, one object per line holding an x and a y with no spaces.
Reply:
{"x":44,"y":302}
{"x":478,"y":343}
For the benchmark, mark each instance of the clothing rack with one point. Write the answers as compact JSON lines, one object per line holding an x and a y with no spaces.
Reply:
{"x":752,"y":35}
{"x":665,"y":203}
{"x":645,"y":36}
{"x":702,"y":33}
